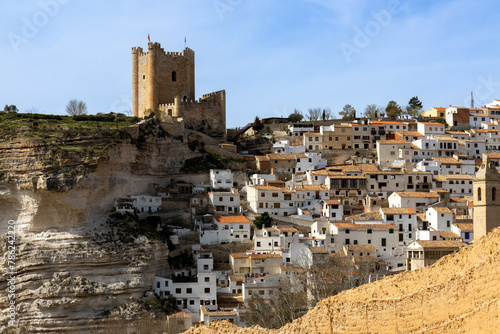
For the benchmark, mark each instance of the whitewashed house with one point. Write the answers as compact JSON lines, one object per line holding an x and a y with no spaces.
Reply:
{"x":439,"y":218}
{"x":221,"y":179}
{"x":225,"y":202}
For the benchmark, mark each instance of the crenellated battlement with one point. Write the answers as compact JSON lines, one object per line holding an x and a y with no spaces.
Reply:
{"x":219,"y":92}
{"x":187,"y":52}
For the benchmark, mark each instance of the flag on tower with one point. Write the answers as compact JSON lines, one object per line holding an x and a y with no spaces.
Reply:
{"x":149,"y":39}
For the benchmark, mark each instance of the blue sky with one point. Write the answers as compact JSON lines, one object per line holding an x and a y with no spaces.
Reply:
{"x":270,"y":56}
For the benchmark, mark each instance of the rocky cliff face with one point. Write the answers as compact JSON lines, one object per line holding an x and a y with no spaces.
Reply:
{"x":459,"y":294}
{"x":71,"y":271}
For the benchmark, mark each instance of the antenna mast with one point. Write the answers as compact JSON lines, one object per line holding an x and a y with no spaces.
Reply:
{"x":472,"y":100}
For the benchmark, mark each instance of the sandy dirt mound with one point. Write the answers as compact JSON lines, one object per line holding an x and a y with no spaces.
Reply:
{"x":459,"y":294}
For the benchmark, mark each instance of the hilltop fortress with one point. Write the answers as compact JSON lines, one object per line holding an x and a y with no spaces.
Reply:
{"x":164,"y":83}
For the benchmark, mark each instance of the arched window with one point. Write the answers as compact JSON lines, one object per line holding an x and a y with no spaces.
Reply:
{"x":493,"y":193}
{"x":169,"y":112}
{"x":185,"y":98}
{"x":174,"y":76}
{"x":478,"y":194}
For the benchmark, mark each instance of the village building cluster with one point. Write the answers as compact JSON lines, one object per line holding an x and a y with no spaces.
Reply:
{"x":414,"y":191}
{"x":415,"y":201}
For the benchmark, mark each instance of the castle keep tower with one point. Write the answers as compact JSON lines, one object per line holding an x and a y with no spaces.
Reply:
{"x":486,"y":198}
{"x":159,"y":76}
{"x":163,"y":82}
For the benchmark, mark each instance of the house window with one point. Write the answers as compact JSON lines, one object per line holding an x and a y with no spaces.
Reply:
{"x":178,"y":290}
{"x":157,"y":285}
{"x":275,"y":195}
{"x":369,"y":231}
{"x":191,"y":302}
{"x":174,"y":76}
{"x":347,"y":241}
{"x":207,"y":279}
{"x":347,"y":231}
{"x":479,"y":194}
{"x":205,"y":267}
{"x":207,"y":290}
{"x":189,"y":290}
{"x":384,"y":242}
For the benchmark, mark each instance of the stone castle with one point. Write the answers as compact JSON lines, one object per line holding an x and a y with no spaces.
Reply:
{"x":164,"y":83}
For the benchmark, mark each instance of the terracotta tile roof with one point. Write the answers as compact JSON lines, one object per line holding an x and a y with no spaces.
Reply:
{"x":441,"y":243}
{"x":447,"y":161}
{"x":281,"y":229}
{"x":261,"y":158}
{"x":448,"y":235}
{"x":392,"y":142}
{"x":338,"y":255}
{"x":460,"y":133}
{"x":364,"y":226}
{"x":410,"y":133}
{"x":318,"y":250}
{"x":311,"y":187}
{"x":388,"y":122}
{"x":422,"y":216}
{"x":444,"y":191}
{"x":445,"y":138}
{"x":220,"y":313}
{"x":239,"y":255}
{"x":231,"y":219}
{"x":361,"y":248}
{"x":266,"y":188}
{"x":398,"y":211}
{"x":367,"y":216}
{"x":416,"y":194}
{"x":465,"y":227}
{"x":460,"y":199}
{"x":280,"y":156}
{"x":417,"y":172}
{"x":478,"y":115}
{"x":484,"y":130}
{"x":332,"y":202}
{"x":325,"y":172}
{"x":382,"y":172}
{"x":441,"y":209}
{"x":493,"y":155}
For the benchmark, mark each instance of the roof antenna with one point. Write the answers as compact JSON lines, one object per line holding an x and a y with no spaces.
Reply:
{"x":472,"y":100}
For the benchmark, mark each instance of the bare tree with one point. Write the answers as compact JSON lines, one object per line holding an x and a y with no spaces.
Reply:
{"x":372,"y":111}
{"x":327,"y":114}
{"x":288,"y":302}
{"x":313,"y":114}
{"x":32,"y":110}
{"x":76,"y":107}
